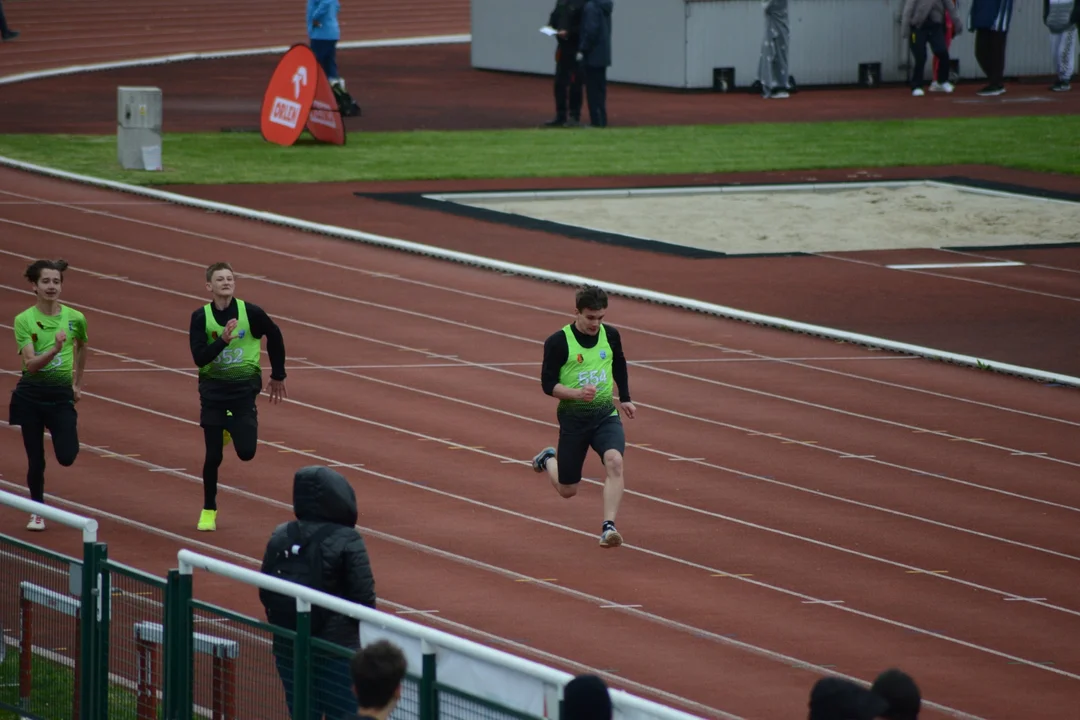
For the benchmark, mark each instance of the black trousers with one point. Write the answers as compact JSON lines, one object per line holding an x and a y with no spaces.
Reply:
{"x":569,"y":85}
{"x":243,"y":425}
{"x":934,"y":35}
{"x":34,"y":418}
{"x":4,"y":29}
{"x":990,"y":54}
{"x":596,"y":90}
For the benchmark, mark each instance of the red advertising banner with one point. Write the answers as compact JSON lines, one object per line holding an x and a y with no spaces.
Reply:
{"x":325,"y":122}
{"x":299,"y":97}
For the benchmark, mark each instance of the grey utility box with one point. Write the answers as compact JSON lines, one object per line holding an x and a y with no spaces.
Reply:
{"x":138,"y":130}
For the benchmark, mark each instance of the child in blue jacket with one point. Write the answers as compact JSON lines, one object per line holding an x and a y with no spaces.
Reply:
{"x":324,"y":32}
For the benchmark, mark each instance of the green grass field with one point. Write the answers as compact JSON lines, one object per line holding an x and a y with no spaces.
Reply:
{"x":53,"y":691}
{"x":1040,"y":143}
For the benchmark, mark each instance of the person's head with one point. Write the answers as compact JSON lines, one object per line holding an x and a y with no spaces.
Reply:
{"x":591,"y":305}
{"x":586,"y":697}
{"x":220,"y":280}
{"x":377,"y":672}
{"x":47,"y":278}
{"x":836,"y":698}
{"x":900,"y":691}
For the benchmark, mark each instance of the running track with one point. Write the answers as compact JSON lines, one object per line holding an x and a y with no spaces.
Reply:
{"x":796,"y":506}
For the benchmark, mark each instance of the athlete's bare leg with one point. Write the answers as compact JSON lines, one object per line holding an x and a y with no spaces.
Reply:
{"x":567,"y":491}
{"x":613,"y":484}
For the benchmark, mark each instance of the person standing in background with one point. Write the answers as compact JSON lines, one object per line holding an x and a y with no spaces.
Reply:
{"x":950,"y":33}
{"x":1060,"y":17}
{"x":773,"y":68}
{"x":569,"y":80}
{"x":6,"y":33}
{"x":923,"y":22}
{"x":990,"y":20}
{"x":324,"y":32}
{"x":594,"y":56}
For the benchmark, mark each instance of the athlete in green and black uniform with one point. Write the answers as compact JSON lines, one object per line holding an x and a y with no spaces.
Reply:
{"x":581,"y":363}
{"x":51,"y":338}
{"x":226,"y":344}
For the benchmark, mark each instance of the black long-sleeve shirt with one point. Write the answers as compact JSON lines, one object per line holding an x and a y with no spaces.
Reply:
{"x":556,"y":353}
{"x":203,"y":352}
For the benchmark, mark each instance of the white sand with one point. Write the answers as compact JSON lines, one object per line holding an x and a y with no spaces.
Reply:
{"x":919,"y":216}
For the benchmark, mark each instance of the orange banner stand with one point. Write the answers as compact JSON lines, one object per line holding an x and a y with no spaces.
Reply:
{"x":298,"y":98}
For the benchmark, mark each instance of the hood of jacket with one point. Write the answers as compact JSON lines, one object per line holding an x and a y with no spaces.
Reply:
{"x":606,"y":6}
{"x":323,"y":495}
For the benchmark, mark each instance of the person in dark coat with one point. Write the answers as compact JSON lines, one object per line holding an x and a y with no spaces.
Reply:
{"x":901,"y":692}
{"x":594,"y":56}
{"x":836,"y":698}
{"x":6,"y":33}
{"x":990,"y":20}
{"x":569,"y":80}
{"x":324,"y":502}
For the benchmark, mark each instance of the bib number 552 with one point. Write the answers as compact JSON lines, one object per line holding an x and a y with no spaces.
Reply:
{"x":229,"y":356}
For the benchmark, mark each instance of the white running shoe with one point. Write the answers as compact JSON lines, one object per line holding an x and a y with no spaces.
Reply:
{"x":918,"y":92}
{"x":36,"y":523}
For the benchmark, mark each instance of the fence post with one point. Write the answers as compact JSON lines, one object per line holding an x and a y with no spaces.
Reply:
{"x":429,"y":702}
{"x":169,"y":657}
{"x":179,"y":647}
{"x":102,"y":649}
{"x":302,"y":661}
{"x":89,"y":636}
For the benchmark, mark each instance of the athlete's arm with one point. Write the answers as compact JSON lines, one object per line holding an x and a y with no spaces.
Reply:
{"x":202,"y":352}
{"x":556,"y":352}
{"x":618,"y":364}
{"x":80,"y":364}
{"x":80,"y":340}
{"x":34,"y":363}
{"x":263,"y":326}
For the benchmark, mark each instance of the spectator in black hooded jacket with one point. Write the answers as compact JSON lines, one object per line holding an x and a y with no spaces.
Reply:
{"x":324,"y":501}
{"x":594,"y":56}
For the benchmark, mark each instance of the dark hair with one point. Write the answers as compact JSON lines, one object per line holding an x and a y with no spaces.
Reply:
{"x":215,"y":267}
{"x":33,"y":271}
{"x":591,"y":297}
{"x":900,"y":691}
{"x":377,"y":671}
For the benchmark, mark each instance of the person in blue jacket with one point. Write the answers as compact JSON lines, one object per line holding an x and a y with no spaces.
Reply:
{"x":990,"y":20}
{"x":594,"y":56}
{"x":324,"y":32}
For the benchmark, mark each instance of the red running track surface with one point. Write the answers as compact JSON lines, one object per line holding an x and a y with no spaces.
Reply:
{"x":61,"y":33}
{"x":795,"y":506}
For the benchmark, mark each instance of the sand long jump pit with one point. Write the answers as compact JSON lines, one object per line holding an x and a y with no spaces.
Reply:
{"x":712,"y":221}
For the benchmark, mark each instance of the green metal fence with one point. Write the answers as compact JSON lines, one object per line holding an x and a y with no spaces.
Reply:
{"x":90,"y":638}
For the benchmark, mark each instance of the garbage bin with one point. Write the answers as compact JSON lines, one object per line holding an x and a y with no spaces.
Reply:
{"x":138,"y":132}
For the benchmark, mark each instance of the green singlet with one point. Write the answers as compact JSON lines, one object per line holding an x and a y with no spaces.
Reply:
{"x":34,"y":327}
{"x":240,"y":359}
{"x":587,"y":366}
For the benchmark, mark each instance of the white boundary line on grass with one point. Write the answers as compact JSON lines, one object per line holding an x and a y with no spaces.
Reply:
{"x":548,"y":275}
{"x":222,"y":54}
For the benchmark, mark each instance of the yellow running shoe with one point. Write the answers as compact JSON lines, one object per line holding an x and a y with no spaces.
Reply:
{"x":208,"y":521}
